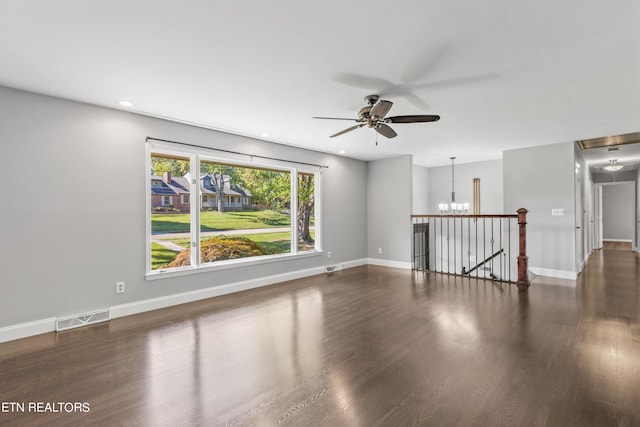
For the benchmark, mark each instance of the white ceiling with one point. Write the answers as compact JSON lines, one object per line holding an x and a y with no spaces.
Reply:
{"x":503,"y":74}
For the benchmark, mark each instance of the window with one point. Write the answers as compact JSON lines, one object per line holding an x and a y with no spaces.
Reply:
{"x":170,"y":225}
{"x":306,"y":211}
{"x":231,"y":229}
{"x":241,"y":212}
{"x":476,"y":196}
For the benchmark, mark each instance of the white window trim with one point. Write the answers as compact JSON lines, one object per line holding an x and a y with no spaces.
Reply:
{"x":195,"y":156}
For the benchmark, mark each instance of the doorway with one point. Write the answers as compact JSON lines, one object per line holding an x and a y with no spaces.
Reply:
{"x":616,"y":222}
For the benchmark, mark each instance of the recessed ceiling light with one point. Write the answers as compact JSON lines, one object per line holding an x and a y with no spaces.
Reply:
{"x":265,"y":135}
{"x":343,"y":151}
{"x":126,"y":104}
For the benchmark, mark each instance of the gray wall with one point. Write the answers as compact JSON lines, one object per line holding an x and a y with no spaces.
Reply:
{"x":420,"y":190}
{"x":540,"y":179}
{"x":73,"y":216}
{"x":637,"y":242}
{"x":618,"y":211}
{"x":389,"y":209}
{"x":490,"y":174}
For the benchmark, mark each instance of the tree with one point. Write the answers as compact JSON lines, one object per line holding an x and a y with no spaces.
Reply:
{"x":306,"y":200}
{"x":220,"y":175}
{"x":270,"y":188}
{"x":177,"y":167}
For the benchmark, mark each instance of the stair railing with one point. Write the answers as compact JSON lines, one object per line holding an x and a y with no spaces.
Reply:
{"x":482,"y":246}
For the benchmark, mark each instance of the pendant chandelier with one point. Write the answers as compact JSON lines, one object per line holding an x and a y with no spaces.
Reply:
{"x":453,"y":208}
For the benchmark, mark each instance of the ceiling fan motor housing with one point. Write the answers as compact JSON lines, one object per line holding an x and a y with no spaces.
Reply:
{"x":371,"y":99}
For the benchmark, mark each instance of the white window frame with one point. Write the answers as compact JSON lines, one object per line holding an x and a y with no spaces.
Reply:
{"x":162,"y":203}
{"x":186,"y":197}
{"x":195,"y":155}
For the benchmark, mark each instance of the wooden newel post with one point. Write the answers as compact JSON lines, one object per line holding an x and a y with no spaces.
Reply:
{"x":523,"y":259}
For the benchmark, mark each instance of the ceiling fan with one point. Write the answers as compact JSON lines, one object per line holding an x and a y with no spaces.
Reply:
{"x":374,"y":115}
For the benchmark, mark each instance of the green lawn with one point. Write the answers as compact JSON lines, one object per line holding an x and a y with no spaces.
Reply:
{"x":214,"y":221}
{"x":272,"y":243}
{"x":161,"y":256}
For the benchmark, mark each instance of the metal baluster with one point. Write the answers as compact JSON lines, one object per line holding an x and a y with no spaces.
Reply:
{"x":493,"y":250}
{"x":469,"y":241}
{"x":484,"y":245}
{"x":454,"y":246}
{"x":448,"y":247}
{"x":476,"y":248}
{"x":441,"y":247}
{"x":509,"y":257}
{"x":501,"y":263}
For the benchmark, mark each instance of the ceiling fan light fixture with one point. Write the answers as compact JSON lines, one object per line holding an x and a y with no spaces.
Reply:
{"x":374,"y":116}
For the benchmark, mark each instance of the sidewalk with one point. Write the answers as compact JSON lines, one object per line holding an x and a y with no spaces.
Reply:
{"x":166,"y":236}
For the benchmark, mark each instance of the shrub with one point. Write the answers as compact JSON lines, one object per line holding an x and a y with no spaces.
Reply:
{"x":220,"y":248}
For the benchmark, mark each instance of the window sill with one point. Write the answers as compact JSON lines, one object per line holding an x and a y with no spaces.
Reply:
{"x":224,"y":265}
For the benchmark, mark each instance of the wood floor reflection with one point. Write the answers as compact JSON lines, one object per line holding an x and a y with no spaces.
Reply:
{"x":363,"y":347}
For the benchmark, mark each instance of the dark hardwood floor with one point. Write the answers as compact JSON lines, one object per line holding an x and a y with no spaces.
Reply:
{"x":618,"y":246}
{"x":368,"y":346}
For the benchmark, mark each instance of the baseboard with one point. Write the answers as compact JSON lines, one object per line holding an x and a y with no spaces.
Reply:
{"x":355,"y":263}
{"x":618,"y":240}
{"x":23,"y":330}
{"x":559,"y":274}
{"x":583,"y":263}
{"x":214,"y":291}
{"x":389,"y":263}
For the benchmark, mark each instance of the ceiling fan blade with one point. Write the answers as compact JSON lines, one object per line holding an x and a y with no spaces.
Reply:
{"x":347,"y":130}
{"x":385,"y":130}
{"x":362,"y":81}
{"x":380,"y":109}
{"x":412,"y":119}
{"x":335,"y":118}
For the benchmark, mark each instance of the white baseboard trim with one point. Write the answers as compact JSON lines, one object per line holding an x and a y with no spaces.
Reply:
{"x":23,"y":330}
{"x":36,"y":327}
{"x":583,"y":263}
{"x":214,"y":291}
{"x":355,"y":263}
{"x":618,"y":240}
{"x":389,"y":263}
{"x":559,"y":274}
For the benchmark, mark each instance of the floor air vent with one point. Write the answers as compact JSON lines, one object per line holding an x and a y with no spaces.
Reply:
{"x":78,"y":320}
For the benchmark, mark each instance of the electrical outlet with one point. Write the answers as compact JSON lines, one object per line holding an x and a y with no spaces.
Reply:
{"x":379,"y":251}
{"x":329,"y":254}
{"x":120,"y":288}
{"x":557,"y":212}
{"x":472,"y":258}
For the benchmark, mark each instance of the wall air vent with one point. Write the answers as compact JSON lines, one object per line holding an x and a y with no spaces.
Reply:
{"x":334,"y":268}
{"x":84,"y":319}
